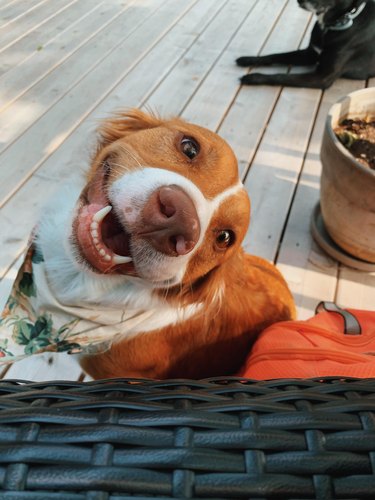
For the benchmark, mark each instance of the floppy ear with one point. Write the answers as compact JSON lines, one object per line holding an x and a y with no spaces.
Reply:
{"x":124,"y":123}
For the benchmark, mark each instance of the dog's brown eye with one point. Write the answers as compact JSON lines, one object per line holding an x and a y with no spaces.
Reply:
{"x":225,"y":238}
{"x":189,"y":147}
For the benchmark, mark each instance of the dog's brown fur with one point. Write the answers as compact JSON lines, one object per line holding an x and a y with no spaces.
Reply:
{"x":239,"y":294}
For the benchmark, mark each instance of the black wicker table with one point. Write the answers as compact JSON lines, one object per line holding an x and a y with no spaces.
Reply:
{"x":215,"y":438}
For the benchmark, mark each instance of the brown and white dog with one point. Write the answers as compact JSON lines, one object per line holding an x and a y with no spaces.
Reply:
{"x":159,"y":225}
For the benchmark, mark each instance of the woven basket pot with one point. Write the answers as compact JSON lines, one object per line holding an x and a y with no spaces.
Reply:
{"x":347,"y":196}
{"x":214,"y":438}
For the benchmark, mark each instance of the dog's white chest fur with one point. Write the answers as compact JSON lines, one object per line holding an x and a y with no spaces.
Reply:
{"x":74,"y":286}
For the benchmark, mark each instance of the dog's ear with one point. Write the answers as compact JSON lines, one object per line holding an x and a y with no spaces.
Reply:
{"x":126,"y":122}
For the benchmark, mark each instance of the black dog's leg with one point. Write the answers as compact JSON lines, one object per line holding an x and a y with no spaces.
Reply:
{"x":329,"y":68}
{"x":304,"y":57}
{"x":308,"y":80}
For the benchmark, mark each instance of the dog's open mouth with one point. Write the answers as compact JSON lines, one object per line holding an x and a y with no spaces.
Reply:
{"x":101,"y":239}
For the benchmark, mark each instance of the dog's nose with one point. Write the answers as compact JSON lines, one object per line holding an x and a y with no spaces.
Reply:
{"x":170,"y":221}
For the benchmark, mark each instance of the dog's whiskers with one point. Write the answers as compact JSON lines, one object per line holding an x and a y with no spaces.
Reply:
{"x":132,"y":155}
{"x":121,"y":168}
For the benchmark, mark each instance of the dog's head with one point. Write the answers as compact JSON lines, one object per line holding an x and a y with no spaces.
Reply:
{"x":163,"y":202}
{"x":321,"y":7}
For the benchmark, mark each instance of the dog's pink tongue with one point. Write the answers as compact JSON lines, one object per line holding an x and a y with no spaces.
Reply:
{"x":89,"y":236}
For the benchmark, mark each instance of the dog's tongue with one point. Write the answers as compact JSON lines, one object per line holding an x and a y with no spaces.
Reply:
{"x":102,"y":242}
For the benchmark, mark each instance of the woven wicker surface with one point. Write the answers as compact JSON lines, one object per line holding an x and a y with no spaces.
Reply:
{"x":187,"y":439}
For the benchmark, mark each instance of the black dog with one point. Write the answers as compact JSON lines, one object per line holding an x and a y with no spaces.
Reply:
{"x":342,"y":43}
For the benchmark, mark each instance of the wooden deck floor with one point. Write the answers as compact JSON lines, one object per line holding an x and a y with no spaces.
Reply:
{"x":67,"y":63}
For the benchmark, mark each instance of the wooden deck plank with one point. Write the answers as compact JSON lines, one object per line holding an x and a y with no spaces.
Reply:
{"x":244,"y":130}
{"x":18,"y":26}
{"x":73,"y":153}
{"x":215,"y":95}
{"x":48,"y":13}
{"x":51,"y":72}
{"x":44,"y":33}
{"x":6,"y":4}
{"x":274,"y":172}
{"x":50,"y":131}
{"x":13,"y":10}
{"x":249,"y":114}
{"x":176,"y":90}
{"x":356,"y":289}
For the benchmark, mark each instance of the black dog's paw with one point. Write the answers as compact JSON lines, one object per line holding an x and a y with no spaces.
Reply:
{"x":254,"y":79}
{"x":246,"y":61}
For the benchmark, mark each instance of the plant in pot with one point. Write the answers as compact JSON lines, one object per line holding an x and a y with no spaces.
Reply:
{"x":344,"y":223}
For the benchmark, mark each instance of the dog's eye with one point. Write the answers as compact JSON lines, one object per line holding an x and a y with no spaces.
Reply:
{"x":189,"y":147}
{"x":224,"y":239}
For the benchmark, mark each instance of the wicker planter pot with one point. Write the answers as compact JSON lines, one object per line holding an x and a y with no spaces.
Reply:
{"x":347,"y":196}
{"x":223,"y":439}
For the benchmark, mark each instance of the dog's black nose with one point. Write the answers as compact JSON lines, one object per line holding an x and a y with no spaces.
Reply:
{"x":170,"y":221}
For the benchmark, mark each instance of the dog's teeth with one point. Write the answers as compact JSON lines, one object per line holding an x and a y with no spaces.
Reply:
{"x":119,"y":259}
{"x":103,"y":254}
{"x":94,"y":227}
{"x":99,"y":216}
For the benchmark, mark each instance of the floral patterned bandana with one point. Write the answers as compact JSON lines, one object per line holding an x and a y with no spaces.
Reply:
{"x":34,"y":321}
